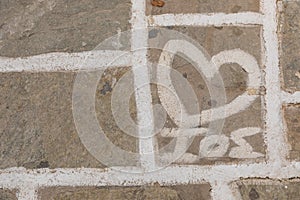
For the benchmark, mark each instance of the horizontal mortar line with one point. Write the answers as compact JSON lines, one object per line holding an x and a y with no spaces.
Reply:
{"x":289,"y":98}
{"x":60,"y":61}
{"x":216,"y":19}
{"x":20,"y":177}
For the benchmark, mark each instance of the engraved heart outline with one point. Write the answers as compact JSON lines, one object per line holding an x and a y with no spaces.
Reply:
{"x":91,"y":133}
{"x":209,"y":69}
{"x":238,"y":56}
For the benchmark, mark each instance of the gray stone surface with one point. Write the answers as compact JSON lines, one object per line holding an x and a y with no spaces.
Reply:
{"x":204,"y":6}
{"x":271,"y":190}
{"x":289,"y":34}
{"x":215,"y":40}
{"x":7,"y":194}
{"x":179,"y":192}
{"x":292,"y":121}
{"x":37,"y":129}
{"x":34,"y":27}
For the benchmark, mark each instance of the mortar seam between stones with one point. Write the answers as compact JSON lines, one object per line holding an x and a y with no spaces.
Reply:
{"x":215,"y":19}
{"x":225,"y":173}
{"x":143,"y":98}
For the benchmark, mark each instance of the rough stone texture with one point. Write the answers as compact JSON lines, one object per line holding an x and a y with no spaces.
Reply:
{"x":215,"y":40}
{"x":7,"y":195}
{"x":289,"y":35}
{"x":37,"y":129}
{"x":34,"y":27}
{"x":271,"y":190}
{"x":180,"y":192}
{"x":292,"y":121}
{"x":203,"y":6}
{"x":104,"y":112}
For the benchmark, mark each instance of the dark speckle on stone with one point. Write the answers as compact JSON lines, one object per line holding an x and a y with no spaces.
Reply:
{"x":185,"y":75}
{"x":152,"y":33}
{"x":218,"y":27}
{"x":236,"y":9}
{"x":43,"y":164}
{"x":212,"y":103}
{"x":253,"y":195}
{"x":236,"y":31}
{"x":106,"y":88}
{"x":201,"y":86}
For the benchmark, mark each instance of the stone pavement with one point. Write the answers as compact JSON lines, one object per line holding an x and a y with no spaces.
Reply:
{"x":255,"y":47}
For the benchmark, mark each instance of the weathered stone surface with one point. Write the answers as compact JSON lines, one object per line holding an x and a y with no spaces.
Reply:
{"x":203,"y":6}
{"x":292,"y":121}
{"x":7,"y":195}
{"x":37,"y":129}
{"x":215,"y":40}
{"x":182,"y":192}
{"x":267,"y":189}
{"x":289,"y":34}
{"x":35,"y":27}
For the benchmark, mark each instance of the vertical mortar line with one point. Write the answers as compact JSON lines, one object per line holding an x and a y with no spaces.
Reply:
{"x":27,"y":193}
{"x":261,"y":6}
{"x":221,"y":190}
{"x":277,"y":149}
{"x":143,"y":98}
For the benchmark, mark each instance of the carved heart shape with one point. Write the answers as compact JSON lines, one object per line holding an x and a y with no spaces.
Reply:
{"x":209,"y":69}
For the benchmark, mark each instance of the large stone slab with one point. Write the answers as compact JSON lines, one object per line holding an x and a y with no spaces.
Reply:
{"x":292,"y":121}
{"x":35,"y":27}
{"x":289,"y":35}
{"x":269,"y":189}
{"x":215,"y":40}
{"x":7,"y":194}
{"x":182,"y":192}
{"x":37,"y":128}
{"x":204,"y":6}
